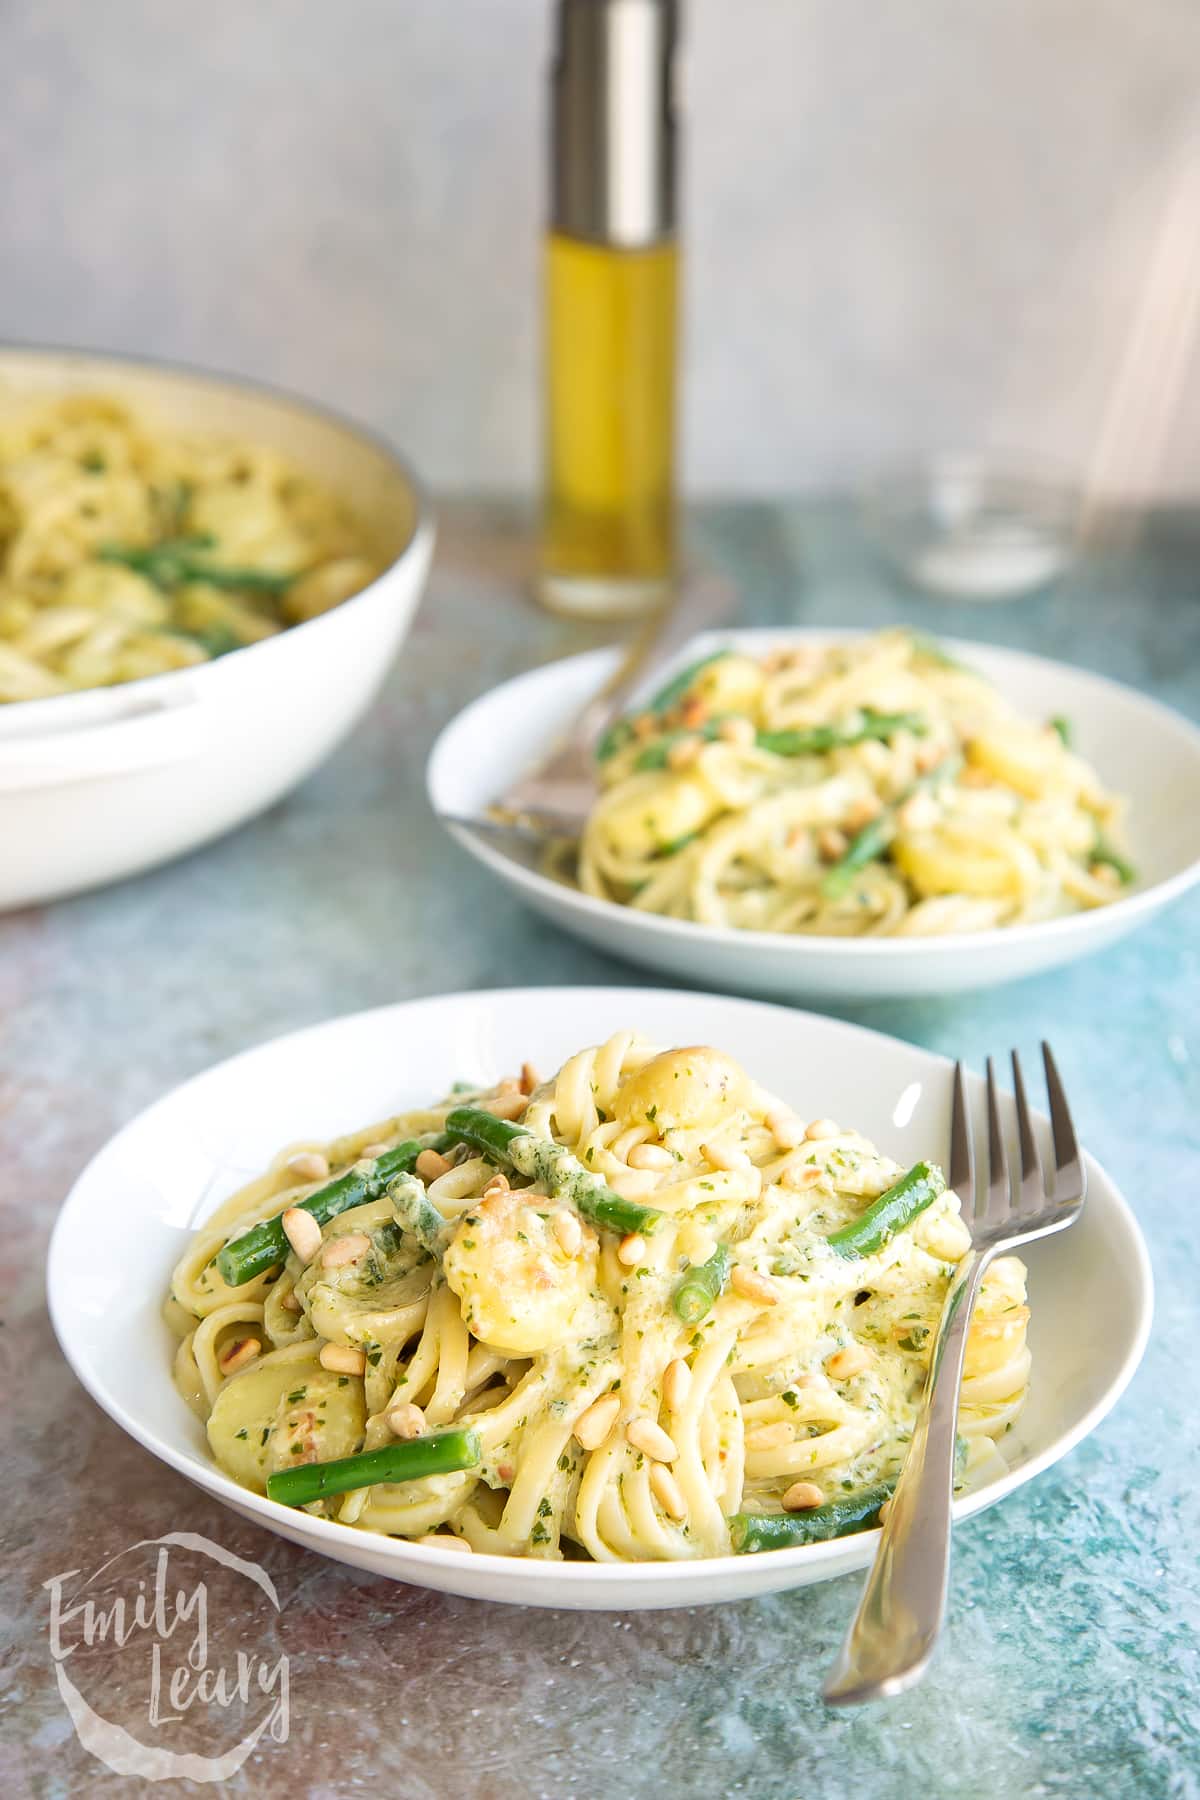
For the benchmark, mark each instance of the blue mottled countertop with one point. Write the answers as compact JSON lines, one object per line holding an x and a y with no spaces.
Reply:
{"x":1070,"y":1664}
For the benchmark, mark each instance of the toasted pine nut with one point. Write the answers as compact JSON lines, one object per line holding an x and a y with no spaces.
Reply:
{"x":310,"y":1165}
{"x":831,"y":843}
{"x":507,"y":1105}
{"x":345,"y":1249}
{"x":497,"y":1184}
{"x":631,"y":1249}
{"x":431,"y":1163}
{"x":529,"y":1078}
{"x":650,"y":1156}
{"x":770,"y":1437}
{"x":752,"y":1286}
{"x":1106,"y":873}
{"x":802,"y":1496}
{"x":405,"y":1420}
{"x":800,"y":841}
{"x":667,"y":1491}
{"x":738,"y":731}
{"x":302,"y":1232}
{"x":694,"y":712}
{"x":822,"y":1128}
{"x":801,"y":1175}
{"x":594,"y":1425}
{"x":341,"y":1359}
{"x":677,"y":1382}
{"x":927,"y":757}
{"x":683,"y":752}
{"x":291,"y":1302}
{"x":862,"y":811}
{"x":725,"y":1156}
{"x":644,"y":726}
{"x":372,"y":1151}
{"x":443,"y":1540}
{"x":237,"y":1354}
{"x":569,"y":1232}
{"x":850,"y":1360}
{"x":651,"y":1440}
{"x":785,"y":1128}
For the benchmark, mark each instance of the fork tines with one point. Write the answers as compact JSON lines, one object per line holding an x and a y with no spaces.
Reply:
{"x":1033,"y":1198}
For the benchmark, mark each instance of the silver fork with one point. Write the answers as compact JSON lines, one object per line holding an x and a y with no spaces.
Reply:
{"x":900,"y":1614}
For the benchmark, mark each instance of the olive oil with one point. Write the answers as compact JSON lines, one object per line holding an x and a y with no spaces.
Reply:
{"x":610,"y":313}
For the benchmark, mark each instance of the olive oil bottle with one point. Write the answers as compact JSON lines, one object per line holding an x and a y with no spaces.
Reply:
{"x":611,"y":312}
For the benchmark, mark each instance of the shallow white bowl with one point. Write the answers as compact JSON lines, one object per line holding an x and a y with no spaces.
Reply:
{"x":132,"y":1210}
{"x":1140,"y":748}
{"x":110,"y":781}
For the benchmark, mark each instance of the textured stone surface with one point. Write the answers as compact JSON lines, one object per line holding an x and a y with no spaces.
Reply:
{"x":1069,"y":1666}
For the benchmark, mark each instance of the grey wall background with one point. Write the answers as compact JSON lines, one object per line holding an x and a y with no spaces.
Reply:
{"x":910,"y":223}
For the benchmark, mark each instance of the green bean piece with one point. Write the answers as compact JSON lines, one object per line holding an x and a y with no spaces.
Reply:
{"x":702,"y":1284}
{"x":867,"y":846}
{"x":440,"y":1453}
{"x":657,"y":754}
{"x":819,"y":739}
{"x":1104,"y":852}
{"x":173,"y":561}
{"x":894,"y":1211}
{"x":266,"y":1244}
{"x":417,"y":1215}
{"x":1065,"y":730}
{"x":620,"y":732}
{"x":516,"y":1147}
{"x":783,"y":1531}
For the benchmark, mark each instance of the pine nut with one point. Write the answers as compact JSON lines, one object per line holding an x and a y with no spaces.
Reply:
{"x":372,"y":1152}
{"x":802,"y":1496}
{"x":738,"y":731}
{"x":862,"y":811}
{"x":644,"y":726}
{"x":1104,"y":872}
{"x":345,"y":1249}
{"x":650,"y":1156}
{"x":237,"y":1354}
{"x":785,"y":1128}
{"x":302,"y":1232}
{"x":443,"y":1540}
{"x":594,"y":1425}
{"x":770,"y":1437}
{"x":291,"y":1302}
{"x":927,"y":757}
{"x":850,"y":1360}
{"x":801,"y":1175}
{"x":725,"y":1156}
{"x":508,"y":1105}
{"x":667,"y":1491}
{"x":822,"y":1128}
{"x":677,"y":1382}
{"x":651,"y":1440}
{"x":752,"y":1286}
{"x":310,"y":1165}
{"x":631,"y":1249}
{"x":831,"y":843}
{"x":405,"y":1420}
{"x":569,"y":1233}
{"x":800,"y":841}
{"x":341,"y":1359}
{"x":529,"y":1078}
{"x":683,"y":752}
{"x":431,"y":1163}
{"x":497,"y":1184}
{"x":694,"y":712}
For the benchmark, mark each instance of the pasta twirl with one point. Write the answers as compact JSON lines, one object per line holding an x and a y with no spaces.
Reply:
{"x":868,"y":788}
{"x":647,"y":1298}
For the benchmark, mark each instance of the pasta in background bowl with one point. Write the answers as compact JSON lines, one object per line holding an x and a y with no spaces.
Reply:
{"x":137,"y":1210}
{"x":900,"y":942}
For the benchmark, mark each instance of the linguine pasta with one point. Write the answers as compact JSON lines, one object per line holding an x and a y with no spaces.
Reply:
{"x":748,"y":1361}
{"x":126,"y":551}
{"x":871,"y":787}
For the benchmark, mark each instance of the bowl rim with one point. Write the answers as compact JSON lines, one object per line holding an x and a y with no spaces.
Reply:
{"x":52,"y":710}
{"x":1127,"y":908}
{"x":329,"y":1535}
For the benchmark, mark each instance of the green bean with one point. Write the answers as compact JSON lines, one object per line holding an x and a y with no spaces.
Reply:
{"x":819,"y":739}
{"x":620,"y":732}
{"x":894,"y":1210}
{"x":266,"y":1244}
{"x":1065,"y":730}
{"x":702,"y":1284}
{"x":417,"y":1215}
{"x":865,"y":847}
{"x":441,"y":1453}
{"x":541,"y":1159}
{"x":171,"y":562}
{"x":1104,"y":852}
{"x":783,"y":1531}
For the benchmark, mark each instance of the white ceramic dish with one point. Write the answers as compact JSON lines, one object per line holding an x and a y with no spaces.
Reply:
{"x":104,"y":783}
{"x":1142,"y":750}
{"x":131,"y":1211}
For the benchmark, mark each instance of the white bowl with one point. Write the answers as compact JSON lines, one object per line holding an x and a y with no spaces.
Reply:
{"x":132,"y":1210}
{"x":109,"y":781}
{"x":1139,"y":747}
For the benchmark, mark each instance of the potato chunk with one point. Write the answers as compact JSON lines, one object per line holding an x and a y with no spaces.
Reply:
{"x":521,"y":1291}
{"x":696,"y":1086}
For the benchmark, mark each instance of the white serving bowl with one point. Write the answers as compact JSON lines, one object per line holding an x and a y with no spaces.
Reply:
{"x":132,"y":1211}
{"x":1140,"y":748}
{"x":109,"y":781}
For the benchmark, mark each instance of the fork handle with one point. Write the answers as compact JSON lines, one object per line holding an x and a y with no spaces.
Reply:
{"x":900,"y":1614}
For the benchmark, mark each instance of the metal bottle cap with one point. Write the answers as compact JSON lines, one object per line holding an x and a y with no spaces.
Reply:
{"x":613,"y":151}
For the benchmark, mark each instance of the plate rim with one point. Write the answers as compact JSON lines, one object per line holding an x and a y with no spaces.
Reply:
{"x":1122,"y":913}
{"x":331,"y":1537}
